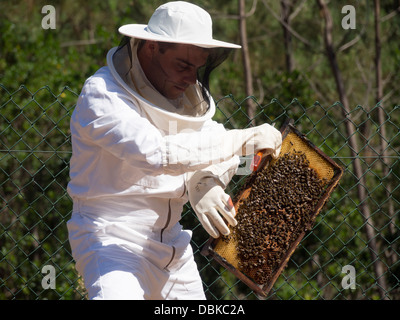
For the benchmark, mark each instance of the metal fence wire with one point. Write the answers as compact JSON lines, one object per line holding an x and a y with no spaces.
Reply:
{"x":352,"y":252}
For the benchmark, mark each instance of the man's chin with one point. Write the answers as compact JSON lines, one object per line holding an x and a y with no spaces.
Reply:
{"x":175,"y":96}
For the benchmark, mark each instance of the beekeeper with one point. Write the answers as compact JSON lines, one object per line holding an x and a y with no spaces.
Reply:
{"x":144,"y":143}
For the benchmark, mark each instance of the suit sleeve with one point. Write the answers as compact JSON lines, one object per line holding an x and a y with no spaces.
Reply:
{"x":109,"y":119}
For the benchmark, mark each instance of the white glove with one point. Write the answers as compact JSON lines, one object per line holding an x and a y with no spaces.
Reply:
{"x":264,"y":137}
{"x":209,"y":200}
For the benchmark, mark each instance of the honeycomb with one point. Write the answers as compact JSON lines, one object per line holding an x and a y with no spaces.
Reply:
{"x":276,"y":206}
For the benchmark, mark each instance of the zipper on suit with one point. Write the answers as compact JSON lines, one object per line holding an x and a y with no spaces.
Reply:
{"x":162,"y":232}
{"x":172,"y":258}
{"x":167,"y":222}
{"x":166,"y":225}
{"x":169,"y":214}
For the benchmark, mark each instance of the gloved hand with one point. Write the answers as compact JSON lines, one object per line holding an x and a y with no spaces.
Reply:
{"x":210,"y":201}
{"x":262,"y":138}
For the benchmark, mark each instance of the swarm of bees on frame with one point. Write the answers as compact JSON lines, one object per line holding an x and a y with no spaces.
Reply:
{"x":278,"y":208}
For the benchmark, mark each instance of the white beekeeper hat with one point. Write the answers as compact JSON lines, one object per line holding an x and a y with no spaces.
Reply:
{"x":178,"y":22}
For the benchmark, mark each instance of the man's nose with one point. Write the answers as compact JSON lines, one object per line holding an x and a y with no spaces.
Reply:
{"x":191,"y":77}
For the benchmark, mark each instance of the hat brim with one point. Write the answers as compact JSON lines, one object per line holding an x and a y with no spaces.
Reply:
{"x":140,"y":31}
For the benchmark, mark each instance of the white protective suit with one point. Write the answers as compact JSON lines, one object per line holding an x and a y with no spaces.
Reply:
{"x":127,"y":189}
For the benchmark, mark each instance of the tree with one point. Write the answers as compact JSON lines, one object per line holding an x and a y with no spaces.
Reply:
{"x":248,"y":77}
{"x":353,"y":144}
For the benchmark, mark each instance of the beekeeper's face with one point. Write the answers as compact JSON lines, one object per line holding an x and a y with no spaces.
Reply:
{"x":172,"y":68}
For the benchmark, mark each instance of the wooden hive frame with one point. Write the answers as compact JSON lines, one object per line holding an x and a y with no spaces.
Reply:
{"x":225,"y":252}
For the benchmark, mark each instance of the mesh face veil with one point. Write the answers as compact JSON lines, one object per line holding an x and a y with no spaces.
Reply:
{"x":216,"y":57}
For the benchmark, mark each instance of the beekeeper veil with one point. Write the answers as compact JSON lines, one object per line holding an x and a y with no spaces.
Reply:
{"x":181,"y":23}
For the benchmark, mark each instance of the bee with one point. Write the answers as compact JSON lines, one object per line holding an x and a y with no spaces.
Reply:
{"x":277,"y":210}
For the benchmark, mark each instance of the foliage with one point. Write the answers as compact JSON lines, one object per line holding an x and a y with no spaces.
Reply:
{"x":52,"y":66}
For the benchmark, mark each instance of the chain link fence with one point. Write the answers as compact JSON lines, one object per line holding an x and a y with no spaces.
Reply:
{"x":352,"y":252}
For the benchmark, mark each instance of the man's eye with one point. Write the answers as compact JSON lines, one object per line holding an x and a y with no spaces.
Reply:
{"x":182,"y":67}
